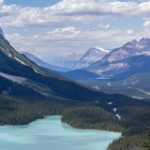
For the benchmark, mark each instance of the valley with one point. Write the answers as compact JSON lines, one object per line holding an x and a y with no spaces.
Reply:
{"x":29,"y":92}
{"x":135,"y":86}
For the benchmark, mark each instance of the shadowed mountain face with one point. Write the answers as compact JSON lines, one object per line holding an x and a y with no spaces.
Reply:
{"x":21,"y":76}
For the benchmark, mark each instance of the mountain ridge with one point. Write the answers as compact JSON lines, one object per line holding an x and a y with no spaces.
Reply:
{"x":42,"y":63}
{"x":107,"y":63}
{"x":79,"y":61}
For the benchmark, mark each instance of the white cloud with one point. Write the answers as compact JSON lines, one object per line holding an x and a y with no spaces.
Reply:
{"x":100,"y":7}
{"x":70,"y":11}
{"x":1,"y":2}
{"x":146,"y":24}
{"x":144,"y":8}
{"x":130,"y":32}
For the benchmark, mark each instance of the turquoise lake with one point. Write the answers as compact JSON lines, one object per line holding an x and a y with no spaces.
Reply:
{"x":51,"y":134}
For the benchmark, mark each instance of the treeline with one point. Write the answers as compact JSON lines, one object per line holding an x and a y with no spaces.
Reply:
{"x":17,"y":111}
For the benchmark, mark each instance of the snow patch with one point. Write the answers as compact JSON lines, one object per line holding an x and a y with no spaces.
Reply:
{"x":96,"y":87}
{"x":137,"y":97}
{"x":20,"y":61}
{"x":115,"y":109}
{"x":110,"y":103}
{"x":118,"y":116}
{"x":101,"y":49}
{"x":16,"y":79}
{"x":145,"y":92}
{"x":140,"y":90}
{"x":109,"y":84}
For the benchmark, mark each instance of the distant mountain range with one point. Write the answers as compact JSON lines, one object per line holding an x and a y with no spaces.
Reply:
{"x":68,"y":61}
{"x":117,"y":61}
{"x":77,"y":74}
{"x":124,"y":70}
{"x":77,"y":61}
{"x":120,"y":63}
{"x":43,"y":64}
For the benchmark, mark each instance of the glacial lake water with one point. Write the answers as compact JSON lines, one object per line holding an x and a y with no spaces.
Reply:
{"x":51,"y":134}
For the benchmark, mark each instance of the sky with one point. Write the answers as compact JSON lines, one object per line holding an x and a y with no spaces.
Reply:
{"x":50,"y":28}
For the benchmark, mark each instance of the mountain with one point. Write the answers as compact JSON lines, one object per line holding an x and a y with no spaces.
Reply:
{"x":20,"y":76}
{"x":95,"y":53}
{"x":78,"y":61}
{"x":138,"y":64}
{"x":44,"y":64}
{"x":124,"y":70}
{"x":131,"y":82}
{"x":113,"y":62}
{"x":129,"y":49}
{"x":68,"y":61}
{"x":92,"y":55}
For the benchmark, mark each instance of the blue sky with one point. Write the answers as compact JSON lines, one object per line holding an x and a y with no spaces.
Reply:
{"x":50,"y":28}
{"x":33,"y":3}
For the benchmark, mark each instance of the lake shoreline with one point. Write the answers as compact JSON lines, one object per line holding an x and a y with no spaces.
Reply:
{"x":44,"y":117}
{"x":51,"y":132}
{"x":91,"y":129}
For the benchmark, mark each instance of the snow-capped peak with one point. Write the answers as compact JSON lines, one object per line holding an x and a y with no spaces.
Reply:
{"x":100,"y":49}
{"x":94,"y":54}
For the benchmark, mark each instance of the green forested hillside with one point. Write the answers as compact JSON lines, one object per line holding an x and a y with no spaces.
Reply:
{"x":91,"y":117}
{"x":134,"y":122}
{"x":17,"y":110}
